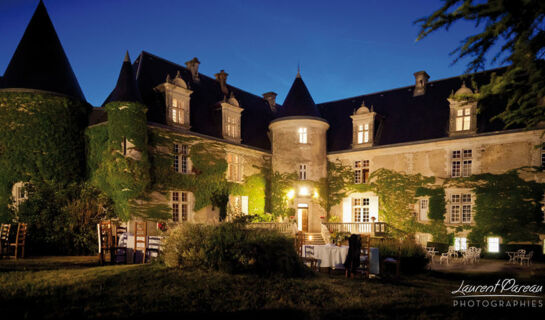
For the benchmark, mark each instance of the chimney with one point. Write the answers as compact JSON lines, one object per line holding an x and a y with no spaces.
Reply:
{"x":421,"y":80}
{"x":271,"y":99}
{"x":221,"y":77}
{"x":193,"y":66}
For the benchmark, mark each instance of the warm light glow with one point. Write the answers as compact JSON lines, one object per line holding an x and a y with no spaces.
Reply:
{"x":494,"y":244}
{"x":303,"y":191}
{"x":316,"y":195}
{"x":291,"y":194}
{"x":310,"y":238}
{"x":299,"y":220}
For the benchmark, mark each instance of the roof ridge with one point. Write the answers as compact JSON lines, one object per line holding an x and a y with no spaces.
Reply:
{"x":200,"y":74}
{"x":411,"y":86}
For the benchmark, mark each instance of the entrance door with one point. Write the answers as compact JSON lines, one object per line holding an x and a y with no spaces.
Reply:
{"x":302,"y":219}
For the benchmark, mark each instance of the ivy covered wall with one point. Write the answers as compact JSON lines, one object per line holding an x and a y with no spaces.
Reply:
{"x":41,"y":141}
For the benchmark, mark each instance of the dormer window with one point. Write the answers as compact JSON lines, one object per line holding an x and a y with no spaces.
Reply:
{"x":463,"y":119}
{"x":303,"y":135}
{"x":179,"y":113}
{"x":463,"y":110}
{"x":230,"y":111}
{"x":177,"y":101}
{"x":363,"y":123}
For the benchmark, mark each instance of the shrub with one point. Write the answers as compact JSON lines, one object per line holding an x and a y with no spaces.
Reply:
{"x":412,"y":255}
{"x":62,"y":220}
{"x":233,"y":248}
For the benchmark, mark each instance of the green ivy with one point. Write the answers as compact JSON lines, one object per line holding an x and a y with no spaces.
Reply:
{"x":332,"y":189}
{"x":41,"y":141}
{"x":436,"y":210}
{"x":507,"y":206}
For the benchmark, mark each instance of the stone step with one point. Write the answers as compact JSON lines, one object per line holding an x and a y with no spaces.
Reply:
{"x":314,"y":238}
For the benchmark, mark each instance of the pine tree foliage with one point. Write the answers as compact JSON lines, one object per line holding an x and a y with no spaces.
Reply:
{"x":514,"y":33}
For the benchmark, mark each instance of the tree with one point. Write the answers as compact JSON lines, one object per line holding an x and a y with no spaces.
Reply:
{"x":518,"y":28}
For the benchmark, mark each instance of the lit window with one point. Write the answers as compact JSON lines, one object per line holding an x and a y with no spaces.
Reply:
{"x":460,"y":244}
{"x":366,"y":133}
{"x":461,"y":163}
{"x":234,"y":167}
{"x":180,"y":205}
{"x":361,"y":171}
{"x":181,"y":158}
{"x":239,"y":204}
{"x":302,"y":172}
{"x":463,"y":119}
{"x":360,"y":209}
{"x":493,"y":244}
{"x":360,"y":134}
{"x":302,"y":135}
{"x":177,"y":112}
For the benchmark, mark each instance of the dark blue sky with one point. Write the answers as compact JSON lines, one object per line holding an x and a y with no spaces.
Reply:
{"x":345,"y":48}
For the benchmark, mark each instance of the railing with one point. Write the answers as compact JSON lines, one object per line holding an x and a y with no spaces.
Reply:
{"x":373,"y":228}
{"x":284,"y":227}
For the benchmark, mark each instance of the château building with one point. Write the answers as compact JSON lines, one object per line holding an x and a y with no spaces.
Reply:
{"x":173,"y":143}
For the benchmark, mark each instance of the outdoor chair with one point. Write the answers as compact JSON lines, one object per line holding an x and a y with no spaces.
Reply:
{"x":309,"y":258}
{"x":352,"y":262}
{"x":119,"y":250}
{"x":140,"y":240}
{"x":4,"y":239}
{"x":430,"y":253}
{"x":20,"y":239}
{"x":527,"y":258}
{"x":365,"y":256}
{"x":445,"y":256}
{"x":154,"y":246}
{"x":518,"y":256}
{"x":105,"y":241}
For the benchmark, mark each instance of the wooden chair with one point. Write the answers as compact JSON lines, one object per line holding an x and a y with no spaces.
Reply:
{"x":20,"y":239}
{"x":4,"y":239}
{"x":365,"y":256}
{"x":119,"y":251}
{"x":309,"y":258}
{"x":105,"y":230}
{"x":140,"y":239}
{"x":154,"y":246}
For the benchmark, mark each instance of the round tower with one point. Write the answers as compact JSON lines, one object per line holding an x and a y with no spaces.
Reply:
{"x":43,"y":115}
{"x":298,"y":139}
{"x":125,"y":166}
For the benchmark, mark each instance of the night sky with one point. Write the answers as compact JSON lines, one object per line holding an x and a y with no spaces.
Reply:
{"x":344,"y":48}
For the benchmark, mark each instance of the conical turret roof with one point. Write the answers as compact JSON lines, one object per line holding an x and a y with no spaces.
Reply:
{"x":298,"y":102}
{"x":126,"y":88}
{"x":39,"y":62}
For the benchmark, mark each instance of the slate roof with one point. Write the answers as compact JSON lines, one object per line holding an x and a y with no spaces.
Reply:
{"x":126,"y":89}
{"x":298,"y":101}
{"x":205,"y":112}
{"x":401,"y":117}
{"x":39,"y":62}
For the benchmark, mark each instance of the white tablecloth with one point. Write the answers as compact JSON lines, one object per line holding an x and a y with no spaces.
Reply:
{"x":331,"y":256}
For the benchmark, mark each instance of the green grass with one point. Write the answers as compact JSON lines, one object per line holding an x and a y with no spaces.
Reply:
{"x":76,"y":287}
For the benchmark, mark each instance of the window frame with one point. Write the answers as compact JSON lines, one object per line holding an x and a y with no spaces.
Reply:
{"x":302,"y":171}
{"x":461,"y":163}
{"x":303,"y":135}
{"x":361,"y":211}
{"x":179,"y":201}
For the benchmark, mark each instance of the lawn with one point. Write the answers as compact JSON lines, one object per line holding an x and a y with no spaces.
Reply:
{"x":63,"y":287}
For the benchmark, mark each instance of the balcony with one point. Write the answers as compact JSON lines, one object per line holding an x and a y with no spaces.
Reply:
{"x":375,"y":229}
